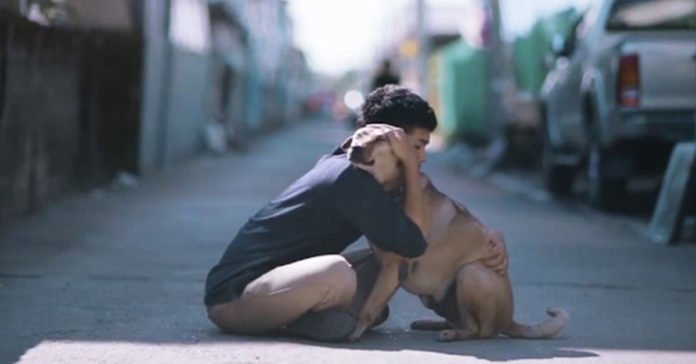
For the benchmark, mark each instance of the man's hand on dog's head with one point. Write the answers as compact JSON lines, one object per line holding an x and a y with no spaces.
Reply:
{"x":497,"y":258}
{"x":403,"y":149}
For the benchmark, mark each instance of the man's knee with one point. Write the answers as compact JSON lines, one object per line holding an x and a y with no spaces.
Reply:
{"x":358,"y":257}
{"x":341,"y":277}
{"x":220,"y":315}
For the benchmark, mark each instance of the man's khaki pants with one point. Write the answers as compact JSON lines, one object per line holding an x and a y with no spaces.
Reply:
{"x":287,"y":292}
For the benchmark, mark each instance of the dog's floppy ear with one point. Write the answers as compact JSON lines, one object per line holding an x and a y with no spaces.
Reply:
{"x":356,"y":153}
{"x":359,"y":155}
{"x":360,"y":145}
{"x":346,"y":143}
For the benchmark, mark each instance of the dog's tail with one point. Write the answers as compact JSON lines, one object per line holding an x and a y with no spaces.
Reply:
{"x":547,"y":329}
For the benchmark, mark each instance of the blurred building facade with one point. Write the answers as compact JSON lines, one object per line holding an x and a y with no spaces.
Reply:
{"x":454,"y":55}
{"x":93,"y":88}
{"x":405,"y":43}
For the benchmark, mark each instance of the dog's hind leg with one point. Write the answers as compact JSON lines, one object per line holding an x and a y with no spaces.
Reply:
{"x":487,"y":328}
{"x":467,"y":328}
{"x":479,"y":296}
{"x":474,"y":314}
{"x":457,"y":334}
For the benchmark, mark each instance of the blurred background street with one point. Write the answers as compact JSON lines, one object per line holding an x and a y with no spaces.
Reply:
{"x":118,"y":276}
{"x":136,"y":137}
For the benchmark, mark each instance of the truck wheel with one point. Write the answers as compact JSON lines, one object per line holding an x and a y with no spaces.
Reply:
{"x":604,"y":192}
{"x":558,"y":178}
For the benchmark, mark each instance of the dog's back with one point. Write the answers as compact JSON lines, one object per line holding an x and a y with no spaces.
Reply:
{"x":455,"y":237}
{"x":475,"y":301}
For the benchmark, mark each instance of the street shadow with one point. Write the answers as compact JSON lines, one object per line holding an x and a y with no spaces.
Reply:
{"x":395,"y":340}
{"x":639,"y":203}
{"x":392,"y":339}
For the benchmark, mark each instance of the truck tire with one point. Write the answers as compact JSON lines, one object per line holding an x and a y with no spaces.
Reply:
{"x":603,"y":192}
{"x":558,"y":178}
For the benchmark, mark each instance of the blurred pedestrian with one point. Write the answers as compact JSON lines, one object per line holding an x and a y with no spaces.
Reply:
{"x":385,"y":76}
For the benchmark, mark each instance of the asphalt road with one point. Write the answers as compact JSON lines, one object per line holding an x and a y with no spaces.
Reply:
{"x":116,"y":275}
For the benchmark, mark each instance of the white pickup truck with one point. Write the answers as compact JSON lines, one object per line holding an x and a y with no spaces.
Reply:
{"x":621,"y":93}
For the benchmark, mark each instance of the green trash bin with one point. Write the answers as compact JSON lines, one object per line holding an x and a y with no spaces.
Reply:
{"x":461,"y":82}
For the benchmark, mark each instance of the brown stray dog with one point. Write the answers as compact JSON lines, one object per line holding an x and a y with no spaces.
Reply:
{"x":449,"y":277}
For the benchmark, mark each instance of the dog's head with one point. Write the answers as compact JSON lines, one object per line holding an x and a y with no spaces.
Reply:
{"x":369,"y":149}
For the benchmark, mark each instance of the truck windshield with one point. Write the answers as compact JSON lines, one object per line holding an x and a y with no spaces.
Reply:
{"x":652,"y":15}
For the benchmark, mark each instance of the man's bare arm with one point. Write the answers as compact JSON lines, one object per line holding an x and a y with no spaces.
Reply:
{"x":413,"y":203}
{"x":497,"y":258}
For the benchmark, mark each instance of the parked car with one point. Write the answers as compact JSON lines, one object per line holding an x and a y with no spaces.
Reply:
{"x":621,"y":93}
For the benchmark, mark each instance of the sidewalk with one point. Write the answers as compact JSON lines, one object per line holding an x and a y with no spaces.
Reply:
{"x":118,"y":276}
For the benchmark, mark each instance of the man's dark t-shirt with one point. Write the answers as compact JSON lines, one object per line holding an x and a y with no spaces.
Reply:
{"x":322,"y":212}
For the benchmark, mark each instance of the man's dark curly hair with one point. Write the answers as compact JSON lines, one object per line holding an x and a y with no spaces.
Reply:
{"x":397,"y":106}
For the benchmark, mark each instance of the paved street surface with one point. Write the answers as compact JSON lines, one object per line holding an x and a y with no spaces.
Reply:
{"x":116,"y":276}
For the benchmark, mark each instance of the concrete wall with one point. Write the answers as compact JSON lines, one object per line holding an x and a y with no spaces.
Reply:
{"x":68,"y":111}
{"x":175,"y":83}
{"x":39,"y":124}
{"x":188,"y":104}
{"x":155,"y":71}
{"x":79,"y":104}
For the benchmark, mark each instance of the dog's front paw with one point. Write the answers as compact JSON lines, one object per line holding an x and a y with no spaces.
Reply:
{"x":365,"y":320}
{"x":358,"y":333}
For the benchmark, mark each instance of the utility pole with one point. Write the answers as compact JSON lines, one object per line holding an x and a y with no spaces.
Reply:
{"x":423,"y":47}
{"x":499,"y":73}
